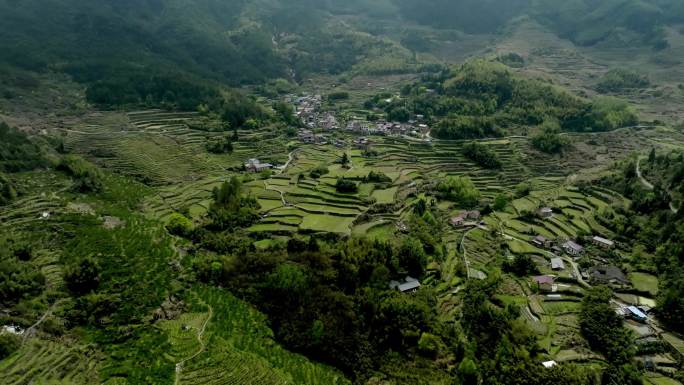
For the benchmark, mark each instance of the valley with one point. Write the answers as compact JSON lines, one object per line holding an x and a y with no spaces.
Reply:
{"x":356,"y":201}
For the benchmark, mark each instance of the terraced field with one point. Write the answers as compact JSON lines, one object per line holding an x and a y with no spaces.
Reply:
{"x":576,"y":214}
{"x":160,"y":147}
{"x":47,"y":362}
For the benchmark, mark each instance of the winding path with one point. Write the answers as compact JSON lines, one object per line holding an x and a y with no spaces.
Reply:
{"x":643,"y":180}
{"x":28,"y":333}
{"x":649,"y":185}
{"x":203,"y":346}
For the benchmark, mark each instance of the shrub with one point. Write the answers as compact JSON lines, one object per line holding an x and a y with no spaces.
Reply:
{"x":617,"y":80}
{"x":7,"y":191}
{"x":220,"y":146}
{"x":459,"y":189}
{"x":377,"y":177}
{"x":319,"y":171}
{"x":179,"y":224}
{"x":550,"y":141}
{"x":87,"y":178}
{"x":482,"y":154}
{"x":83,"y":277}
{"x":9,"y":343}
{"x":346,"y":186}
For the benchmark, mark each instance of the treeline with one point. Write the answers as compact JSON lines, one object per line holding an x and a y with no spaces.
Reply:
{"x":174,"y":91}
{"x":484,"y":99}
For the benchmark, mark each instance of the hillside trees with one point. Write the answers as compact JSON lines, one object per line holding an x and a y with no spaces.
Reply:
{"x":485,"y":99}
{"x":7,"y":191}
{"x":482,"y":154}
{"x":18,"y":280}
{"x":619,"y":79}
{"x":231,"y":209}
{"x":603,"y":329}
{"x":222,"y":145}
{"x":459,"y":189}
{"x":550,"y":141}
{"x":346,"y":186}
{"x":17,"y":151}
{"x":83,"y":276}
{"x":87,"y":178}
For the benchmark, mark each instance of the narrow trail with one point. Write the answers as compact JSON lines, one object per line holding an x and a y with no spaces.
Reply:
{"x":643,"y":180}
{"x":465,"y":252}
{"x":203,"y":346}
{"x":290,"y":159}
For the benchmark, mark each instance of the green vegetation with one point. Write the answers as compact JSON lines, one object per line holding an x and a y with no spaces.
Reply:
{"x":346,"y":186}
{"x":17,"y":152}
{"x":459,"y":189}
{"x":7,"y":191}
{"x":482,"y":155}
{"x":220,"y":146}
{"x":617,"y":80}
{"x":485,"y":99}
{"x":603,"y":329}
{"x":230,"y":208}
{"x":550,"y":141}
{"x":87,"y":178}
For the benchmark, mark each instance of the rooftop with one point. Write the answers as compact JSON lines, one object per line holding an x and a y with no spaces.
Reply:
{"x":409,"y":286}
{"x":544,"y":279}
{"x":605,"y":241}
{"x":557,"y":263}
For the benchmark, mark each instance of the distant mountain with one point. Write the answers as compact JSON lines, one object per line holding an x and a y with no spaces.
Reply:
{"x":250,"y":41}
{"x":586,"y":22}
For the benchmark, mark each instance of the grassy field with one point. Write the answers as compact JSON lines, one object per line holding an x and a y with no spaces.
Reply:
{"x":644,"y":282}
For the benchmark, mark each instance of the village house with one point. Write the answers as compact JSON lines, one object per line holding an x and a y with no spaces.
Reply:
{"x":409,"y":285}
{"x":545,"y":282}
{"x":358,"y":126}
{"x":602,"y":242}
{"x":328,"y":122}
{"x":635,"y":313}
{"x":572,"y":248}
{"x":541,"y":242}
{"x":546,"y":212}
{"x":254,"y":165}
{"x":457,"y":221}
{"x":607,"y":274}
{"x":462,"y":218}
{"x":362,"y":143}
{"x":557,"y":264}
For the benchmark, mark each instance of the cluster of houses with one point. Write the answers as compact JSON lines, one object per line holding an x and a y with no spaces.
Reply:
{"x":307,"y":109}
{"x":466,"y":219}
{"x":385,"y":128}
{"x":570,"y":247}
{"x":307,"y":105}
{"x":254,"y":165}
